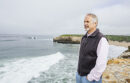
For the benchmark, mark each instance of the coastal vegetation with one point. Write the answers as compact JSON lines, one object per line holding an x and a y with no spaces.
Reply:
{"x":71,"y":38}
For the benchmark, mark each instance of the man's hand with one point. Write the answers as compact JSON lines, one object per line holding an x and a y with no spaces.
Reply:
{"x":87,"y":77}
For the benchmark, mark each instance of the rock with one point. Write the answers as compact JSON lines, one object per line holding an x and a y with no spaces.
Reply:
{"x":129,"y":48}
{"x":68,"y":39}
{"x":117,"y":71}
{"x":125,"y":55}
{"x":127,"y":80}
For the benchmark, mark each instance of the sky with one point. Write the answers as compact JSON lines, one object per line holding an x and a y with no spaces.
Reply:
{"x":57,"y":17}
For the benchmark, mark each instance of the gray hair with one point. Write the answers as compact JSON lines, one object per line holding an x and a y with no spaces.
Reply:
{"x":94,"y":17}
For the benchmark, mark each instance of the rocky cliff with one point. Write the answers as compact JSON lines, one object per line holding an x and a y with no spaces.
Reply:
{"x":67,"y":39}
{"x":118,"y":69}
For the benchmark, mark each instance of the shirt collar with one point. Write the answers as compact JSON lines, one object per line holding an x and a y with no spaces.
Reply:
{"x":93,"y":33}
{"x":90,"y":33}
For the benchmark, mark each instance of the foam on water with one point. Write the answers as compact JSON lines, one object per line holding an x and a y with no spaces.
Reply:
{"x":65,"y":71}
{"x":21,"y":71}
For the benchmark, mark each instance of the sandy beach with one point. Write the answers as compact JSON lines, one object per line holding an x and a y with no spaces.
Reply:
{"x":117,"y":43}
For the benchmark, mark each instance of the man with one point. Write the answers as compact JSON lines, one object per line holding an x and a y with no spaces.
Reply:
{"x":93,"y":53}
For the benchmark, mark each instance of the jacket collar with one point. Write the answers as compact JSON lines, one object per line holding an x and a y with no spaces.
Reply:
{"x":94,"y":33}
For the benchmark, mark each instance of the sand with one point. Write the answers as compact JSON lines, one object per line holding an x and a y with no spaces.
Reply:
{"x":124,"y":44}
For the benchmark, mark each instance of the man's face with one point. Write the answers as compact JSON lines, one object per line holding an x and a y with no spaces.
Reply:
{"x":88,"y":23}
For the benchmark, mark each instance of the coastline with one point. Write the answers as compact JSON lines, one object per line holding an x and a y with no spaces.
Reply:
{"x":117,"y":43}
{"x":75,"y":39}
{"x":118,"y":69}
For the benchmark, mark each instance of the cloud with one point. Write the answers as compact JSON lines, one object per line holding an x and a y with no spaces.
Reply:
{"x":114,"y":18}
{"x":58,"y":16}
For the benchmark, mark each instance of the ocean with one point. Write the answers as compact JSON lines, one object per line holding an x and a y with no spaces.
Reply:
{"x":37,"y":59}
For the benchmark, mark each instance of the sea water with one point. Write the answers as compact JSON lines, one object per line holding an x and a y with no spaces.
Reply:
{"x":37,"y":59}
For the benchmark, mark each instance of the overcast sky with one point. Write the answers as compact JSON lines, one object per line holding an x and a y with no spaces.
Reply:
{"x":57,"y":17}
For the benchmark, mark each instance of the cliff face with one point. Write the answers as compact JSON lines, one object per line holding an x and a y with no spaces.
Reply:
{"x":67,"y":39}
{"x":118,"y":69}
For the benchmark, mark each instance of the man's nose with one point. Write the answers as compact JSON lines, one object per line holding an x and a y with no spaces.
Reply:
{"x":85,"y":24}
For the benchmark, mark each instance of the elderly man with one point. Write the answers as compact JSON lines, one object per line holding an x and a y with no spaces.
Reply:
{"x":93,"y":53}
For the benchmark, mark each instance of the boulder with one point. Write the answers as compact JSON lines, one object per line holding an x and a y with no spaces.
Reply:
{"x":117,"y":71}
